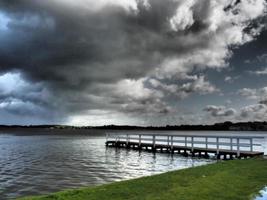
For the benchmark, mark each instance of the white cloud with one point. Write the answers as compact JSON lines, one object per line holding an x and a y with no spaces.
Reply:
{"x":253,"y":93}
{"x":133,"y":97}
{"x":197,"y":85}
{"x":98,"y":117}
{"x":248,"y":93}
{"x":228,"y":79}
{"x":135,"y":89}
{"x":91,"y":5}
{"x":251,"y":9}
{"x":260,"y":72}
{"x":254,"y":112}
{"x":224,"y":29}
{"x":4,"y":20}
{"x":183,"y":18}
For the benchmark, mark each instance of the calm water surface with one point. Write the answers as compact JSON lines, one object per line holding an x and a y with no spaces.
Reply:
{"x":32,"y":164}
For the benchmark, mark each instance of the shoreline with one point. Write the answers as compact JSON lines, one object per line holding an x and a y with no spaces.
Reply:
{"x":225,"y":180}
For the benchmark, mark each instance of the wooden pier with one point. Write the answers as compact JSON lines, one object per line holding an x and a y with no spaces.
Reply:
{"x":222,"y":147}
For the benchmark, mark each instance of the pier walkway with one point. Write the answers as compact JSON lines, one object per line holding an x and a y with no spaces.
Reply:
{"x":223,"y":147}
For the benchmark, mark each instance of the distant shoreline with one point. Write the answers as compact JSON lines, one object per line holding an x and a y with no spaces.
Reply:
{"x":226,"y":126}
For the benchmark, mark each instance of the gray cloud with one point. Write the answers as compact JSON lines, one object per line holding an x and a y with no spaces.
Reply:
{"x":21,"y":98}
{"x":91,"y":55}
{"x":219,"y":111}
{"x":251,"y":112}
{"x":262,"y":58}
{"x":254,"y":112}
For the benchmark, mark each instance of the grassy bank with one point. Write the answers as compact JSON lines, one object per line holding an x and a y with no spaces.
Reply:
{"x":230,"y":180}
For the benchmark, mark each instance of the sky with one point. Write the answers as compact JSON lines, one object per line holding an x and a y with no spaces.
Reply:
{"x":132,"y":62}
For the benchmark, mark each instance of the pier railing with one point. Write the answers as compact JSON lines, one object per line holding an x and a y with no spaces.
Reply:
{"x":232,"y":143}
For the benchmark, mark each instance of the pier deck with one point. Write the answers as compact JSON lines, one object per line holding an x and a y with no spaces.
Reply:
{"x":202,"y":146}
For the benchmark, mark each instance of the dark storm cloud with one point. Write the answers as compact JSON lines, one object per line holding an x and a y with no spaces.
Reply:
{"x":92,"y":57}
{"x":53,"y":44}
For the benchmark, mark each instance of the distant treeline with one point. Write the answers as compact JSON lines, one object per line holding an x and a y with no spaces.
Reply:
{"x":226,"y":126}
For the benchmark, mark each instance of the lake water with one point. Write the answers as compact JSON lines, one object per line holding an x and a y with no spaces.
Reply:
{"x":36,"y":162}
{"x":262,"y":195}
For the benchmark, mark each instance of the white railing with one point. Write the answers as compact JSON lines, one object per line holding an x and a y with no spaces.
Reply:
{"x":233,"y":143}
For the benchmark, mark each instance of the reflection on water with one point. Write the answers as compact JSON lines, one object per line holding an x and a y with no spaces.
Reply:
{"x":31,"y":165}
{"x":263,"y":194}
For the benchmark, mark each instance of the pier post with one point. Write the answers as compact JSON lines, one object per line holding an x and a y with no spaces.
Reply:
{"x":217,"y":146}
{"x":127,"y":141}
{"x":107,"y":136}
{"x":251,"y":144}
{"x":139,"y":142}
{"x":192,"y":146}
{"x":154,"y":143}
{"x":117,"y":141}
{"x":206,"y":140}
{"x":238,"y":148}
{"x":172,"y":144}
{"x":206,"y":155}
{"x":231,"y":144}
{"x":185,"y":143}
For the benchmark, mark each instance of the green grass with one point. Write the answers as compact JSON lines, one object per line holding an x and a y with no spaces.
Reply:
{"x":226,"y":180}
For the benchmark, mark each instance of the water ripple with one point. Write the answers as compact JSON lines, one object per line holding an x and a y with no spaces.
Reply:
{"x":40,"y":164}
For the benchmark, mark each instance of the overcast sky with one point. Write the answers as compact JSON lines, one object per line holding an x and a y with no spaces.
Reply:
{"x":136,"y":62}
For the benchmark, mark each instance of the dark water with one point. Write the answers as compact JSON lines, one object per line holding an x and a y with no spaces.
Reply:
{"x":35,"y":163}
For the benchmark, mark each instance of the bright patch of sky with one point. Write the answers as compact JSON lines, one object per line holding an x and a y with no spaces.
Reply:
{"x":4,"y":20}
{"x":14,"y":81}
